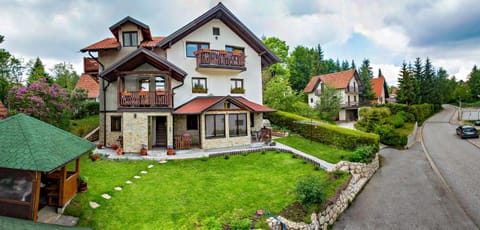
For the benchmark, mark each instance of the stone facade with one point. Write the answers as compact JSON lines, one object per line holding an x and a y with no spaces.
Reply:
{"x":112,"y":136}
{"x":180,"y":127}
{"x":361,"y":173}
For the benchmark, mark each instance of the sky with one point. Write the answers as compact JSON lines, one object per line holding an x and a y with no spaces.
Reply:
{"x":385,"y":32}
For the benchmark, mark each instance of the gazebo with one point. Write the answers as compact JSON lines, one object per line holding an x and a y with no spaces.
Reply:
{"x":36,"y":166}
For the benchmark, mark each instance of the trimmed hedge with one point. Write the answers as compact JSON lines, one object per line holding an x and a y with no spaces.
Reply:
{"x":323,"y":132}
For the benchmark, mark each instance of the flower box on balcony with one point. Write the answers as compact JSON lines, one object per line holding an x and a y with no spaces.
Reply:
{"x":199,"y":90}
{"x":237,"y":90}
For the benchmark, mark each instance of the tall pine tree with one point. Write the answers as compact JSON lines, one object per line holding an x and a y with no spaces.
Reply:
{"x":366,"y":76}
{"x":407,"y":92}
{"x":38,"y":71}
{"x":474,"y":83}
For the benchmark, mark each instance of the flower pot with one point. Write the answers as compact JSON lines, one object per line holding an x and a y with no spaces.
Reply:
{"x":82,"y":186}
{"x":99,"y":146}
{"x":170,"y":152}
{"x":119,"y":151}
{"x":114,"y":146}
{"x":143,"y":152}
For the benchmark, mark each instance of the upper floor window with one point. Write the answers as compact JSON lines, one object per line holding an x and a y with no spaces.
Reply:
{"x":235,"y":49}
{"x":130,"y":38}
{"x":216,"y":31}
{"x":194,"y":46}
{"x":199,"y":85}
{"x":236,"y":86}
{"x":160,"y":83}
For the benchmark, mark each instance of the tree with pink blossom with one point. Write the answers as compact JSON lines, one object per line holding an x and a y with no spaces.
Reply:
{"x":48,"y":103}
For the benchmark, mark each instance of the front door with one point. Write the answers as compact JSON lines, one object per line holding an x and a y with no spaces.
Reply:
{"x":161,"y":131}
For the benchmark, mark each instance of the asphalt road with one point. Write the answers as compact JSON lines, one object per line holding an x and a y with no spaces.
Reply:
{"x":404,"y":193}
{"x":457,"y":160}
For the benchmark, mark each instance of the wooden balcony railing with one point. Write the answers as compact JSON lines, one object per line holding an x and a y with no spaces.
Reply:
{"x":207,"y":58}
{"x":145,"y":99}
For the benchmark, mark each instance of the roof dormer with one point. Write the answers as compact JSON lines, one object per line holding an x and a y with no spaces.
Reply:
{"x":131,"y":32}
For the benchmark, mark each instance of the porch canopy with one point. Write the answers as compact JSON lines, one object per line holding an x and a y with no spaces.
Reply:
{"x":28,"y":148}
{"x":199,"y":105}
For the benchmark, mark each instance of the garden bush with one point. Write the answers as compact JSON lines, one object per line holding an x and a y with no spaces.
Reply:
{"x":396,"y":120}
{"x":310,"y":190}
{"x":390,"y":137}
{"x":240,"y":224}
{"x":363,"y":154}
{"x":86,"y":109}
{"x":323,"y":132}
{"x":422,"y":112}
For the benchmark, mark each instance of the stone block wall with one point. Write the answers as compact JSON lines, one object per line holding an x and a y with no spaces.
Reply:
{"x":361,"y":173}
{"x":180,"y":126}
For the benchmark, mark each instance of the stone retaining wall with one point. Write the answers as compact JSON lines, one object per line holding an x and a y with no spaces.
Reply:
{"x":361,"y":173}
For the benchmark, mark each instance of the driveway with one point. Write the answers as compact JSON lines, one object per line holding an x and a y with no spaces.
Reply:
{"x":405,"y":193}
{"x":457,"y":160}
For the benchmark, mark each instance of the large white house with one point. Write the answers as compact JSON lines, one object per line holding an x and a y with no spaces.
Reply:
{"x":347,"y":85}
{"x":201,"y":84}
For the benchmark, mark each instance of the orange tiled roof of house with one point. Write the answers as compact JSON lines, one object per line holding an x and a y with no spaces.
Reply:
{"x":112,"y":43}
{"x":377,"y":85}
{"x":88,"y":83}
{"x":3,"y":111}
{"x":338,"y":80}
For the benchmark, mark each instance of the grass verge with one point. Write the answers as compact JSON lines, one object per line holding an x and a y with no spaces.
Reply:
{"x":83,"y":126}
{"x":319,"y":150}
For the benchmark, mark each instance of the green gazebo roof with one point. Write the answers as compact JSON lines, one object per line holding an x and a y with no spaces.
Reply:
{"x":30,"y":144}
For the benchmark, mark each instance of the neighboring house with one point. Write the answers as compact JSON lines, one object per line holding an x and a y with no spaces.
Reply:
{"x":3,"y":111}
{"x":393,"y":96}
{"x":347,"y":83}
{"x":202,"y":83}
{"x":90,"y":84}
{"x":380,"y":88}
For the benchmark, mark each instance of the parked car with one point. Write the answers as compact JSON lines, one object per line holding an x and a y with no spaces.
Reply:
{"x":477,"y":123}
{"x":465,"y":131}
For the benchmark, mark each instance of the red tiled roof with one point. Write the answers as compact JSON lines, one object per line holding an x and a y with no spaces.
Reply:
{"x":377,"y":85}
{"x":3,"y":111}
{"x":90,"y":65}
{"x":107,"y":43}
{"x":254,"y":106}
{"x":198,"y":105}
{"x":201,"y":104}
{"x":88,"y":83}
{"x":152,"y":43}
{"x":112,"y":43}
{"x":338,"y":80}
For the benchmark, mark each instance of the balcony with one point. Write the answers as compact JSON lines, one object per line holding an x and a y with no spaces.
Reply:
{"x":145,"y":99}
{"x":220,"y":60}
{"x":349,"y":105}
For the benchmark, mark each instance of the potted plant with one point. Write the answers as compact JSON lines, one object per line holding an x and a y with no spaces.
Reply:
{"x":82,"y":183}
{"x":143,"y":150}
{"x":114,"y":146}
{"x":99,"y":146}
{"x":94,"y":157}
{"x":170,"y":150}
{"x":237,"y":90}
{"x":120,"y":151}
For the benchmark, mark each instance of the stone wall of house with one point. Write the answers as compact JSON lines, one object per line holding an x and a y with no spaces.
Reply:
{"x":227,"y":141}
{"x":111,"y":136}
{"x":180,"y":127}
{"x":136,"y":131}
{"x":361,"y":173}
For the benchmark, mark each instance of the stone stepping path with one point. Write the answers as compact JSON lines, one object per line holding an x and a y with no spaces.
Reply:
{"x":106,"y":196}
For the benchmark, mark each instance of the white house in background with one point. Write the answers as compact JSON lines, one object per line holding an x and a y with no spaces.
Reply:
{"x":346,"y":83}
{"x":202,"y":83}
{"x":380,"y":88}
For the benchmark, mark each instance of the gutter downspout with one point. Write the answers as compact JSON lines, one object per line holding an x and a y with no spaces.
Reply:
{"x":104,"y":89}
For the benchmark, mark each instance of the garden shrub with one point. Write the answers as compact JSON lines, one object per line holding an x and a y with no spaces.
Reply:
{"x":422,"y":112}
{"x":390,"y":137}
{"x":211,"y":223}
{"x":86,"y":109}
{"x":407,"y":117}
{"x":310,"y":190}
{"x":323,"y":132}
{"x":396,"y":121}
{"x":363,"y":154}
{"x":240,"y":224}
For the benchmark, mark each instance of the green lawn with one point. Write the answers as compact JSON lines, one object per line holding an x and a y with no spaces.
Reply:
{"x":322,"y":151}
{"x":184,"y":194}
{"x":82,"y":127}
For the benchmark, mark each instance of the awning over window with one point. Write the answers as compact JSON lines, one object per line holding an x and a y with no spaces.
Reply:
{"x":200,"y":105}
